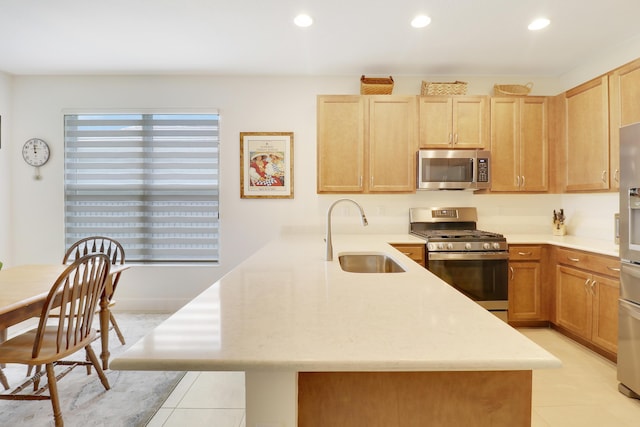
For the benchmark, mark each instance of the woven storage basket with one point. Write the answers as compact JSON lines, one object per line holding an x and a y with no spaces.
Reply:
{"x":376,"y":85}
{"x":512,"y":90}
{"x":444,"y":88}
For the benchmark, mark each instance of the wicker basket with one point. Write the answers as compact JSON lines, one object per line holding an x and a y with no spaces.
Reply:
{"x":444,"y":88}
{"x":512,"y":90}
{"x":376,"y":85}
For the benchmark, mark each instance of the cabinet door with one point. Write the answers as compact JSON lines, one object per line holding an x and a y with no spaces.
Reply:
{"x":392,"y":144}
{"x":587,"y":143}
{"x":606,"y":292}
{"x":624,"y":88}
{"x":573,"y":301}
{"x":470,"y":123}
{"x":505,"y":160}
{"x":435,"y":122}
{"x":340,"y":147}
{"x":534,"y":143}
{"x":525,"y":296}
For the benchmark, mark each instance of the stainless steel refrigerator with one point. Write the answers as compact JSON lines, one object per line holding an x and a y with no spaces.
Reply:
{"x":629,"y":303}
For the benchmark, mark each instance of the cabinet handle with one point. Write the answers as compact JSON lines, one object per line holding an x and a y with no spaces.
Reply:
{"x":593,"y":284}
{"x":455,"y":139}
{"x":616,"y":175}
{"x":450,"y":139}
{"x":586,"y":285}
{"x":525,"y":253}
{"x":518,"y":181}
{"x":574,"y":259}
{"x":360,"y":181}
{"x":511,"y":270}
{"x":371,"y":183}
{"x":614,"y":268}
{"x":604,"y":176}
{"x":523,"y":182}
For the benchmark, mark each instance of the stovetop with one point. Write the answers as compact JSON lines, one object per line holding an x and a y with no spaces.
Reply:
{"x":453,"y":229}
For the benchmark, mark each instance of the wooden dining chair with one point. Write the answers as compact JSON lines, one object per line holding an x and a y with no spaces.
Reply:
{"x":78,"y":290}
{"x":114,"y":250}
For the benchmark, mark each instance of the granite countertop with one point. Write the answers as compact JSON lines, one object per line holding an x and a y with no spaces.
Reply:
{"x":603,"y":247}
{"x":286,"y":308}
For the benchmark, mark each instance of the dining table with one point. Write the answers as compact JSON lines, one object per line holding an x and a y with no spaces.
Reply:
{"x":24,"y":290}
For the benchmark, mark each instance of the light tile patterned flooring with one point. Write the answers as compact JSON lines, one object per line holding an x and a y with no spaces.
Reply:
{"x":583,"y":393}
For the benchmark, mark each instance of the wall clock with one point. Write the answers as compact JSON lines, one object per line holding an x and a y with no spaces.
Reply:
{"x":35,"y":152}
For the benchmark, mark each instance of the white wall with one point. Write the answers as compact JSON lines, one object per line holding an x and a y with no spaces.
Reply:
{"x":246,"y":104}
{"x":5,"y":168}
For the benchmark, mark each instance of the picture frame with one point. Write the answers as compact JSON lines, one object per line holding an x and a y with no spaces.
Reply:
{"x":266,"y":165}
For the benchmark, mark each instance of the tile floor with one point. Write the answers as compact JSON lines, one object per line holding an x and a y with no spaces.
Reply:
{"x":584,"y":393}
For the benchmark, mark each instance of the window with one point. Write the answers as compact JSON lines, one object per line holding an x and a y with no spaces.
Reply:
{"x":148,"y":180}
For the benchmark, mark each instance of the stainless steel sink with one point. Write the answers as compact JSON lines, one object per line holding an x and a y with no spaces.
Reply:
{"x":369,"y":263}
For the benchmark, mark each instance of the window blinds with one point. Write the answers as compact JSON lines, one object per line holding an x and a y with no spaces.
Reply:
{"x":149,"y":181}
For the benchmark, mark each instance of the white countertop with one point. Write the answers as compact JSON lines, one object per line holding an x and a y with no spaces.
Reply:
{"x":286,"y":308}
{"x":603,"y":247}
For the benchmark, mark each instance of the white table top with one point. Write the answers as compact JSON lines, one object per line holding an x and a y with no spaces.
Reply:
{"x":286,"y":308}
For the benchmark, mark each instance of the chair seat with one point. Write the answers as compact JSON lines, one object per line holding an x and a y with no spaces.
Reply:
{"x":19,"y":349}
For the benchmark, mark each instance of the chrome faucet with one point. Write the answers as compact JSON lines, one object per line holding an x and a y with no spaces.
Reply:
{"x":328,"y":238}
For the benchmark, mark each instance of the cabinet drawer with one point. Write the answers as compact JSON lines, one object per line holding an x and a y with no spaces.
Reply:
{"x":589,"y":261}
{"x":415,"y":252}
{"x":526,"y":253}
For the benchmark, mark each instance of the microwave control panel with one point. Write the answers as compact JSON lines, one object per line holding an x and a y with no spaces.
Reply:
{"x":483,"y":170}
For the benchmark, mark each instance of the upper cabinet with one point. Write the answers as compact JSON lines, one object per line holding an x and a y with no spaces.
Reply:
{"x":587,"y":136}
{"x":624,"y":93}
{"x":519,"y":144}
{"x":366,"y":144}
{"x":453,"y":122}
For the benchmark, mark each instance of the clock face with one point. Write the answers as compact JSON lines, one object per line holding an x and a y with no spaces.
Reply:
{"x":35,"y":152}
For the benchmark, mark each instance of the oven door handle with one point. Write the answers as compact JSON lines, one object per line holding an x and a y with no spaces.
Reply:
{"x":468,"y":256}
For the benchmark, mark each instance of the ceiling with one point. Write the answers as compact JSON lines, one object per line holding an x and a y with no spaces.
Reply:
{"x":349,"y":37}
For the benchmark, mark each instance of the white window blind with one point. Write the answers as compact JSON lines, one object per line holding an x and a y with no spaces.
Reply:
{"x":149,"y":181}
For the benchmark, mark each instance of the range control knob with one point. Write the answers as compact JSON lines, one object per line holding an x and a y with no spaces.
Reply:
{"x":486,"y":246}
{"x":450,"y":246}
{"x":467,"y":246}
{"x":496,"y":245}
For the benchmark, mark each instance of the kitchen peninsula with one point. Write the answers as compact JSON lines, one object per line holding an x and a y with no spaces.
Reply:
{"x":321,"y":346}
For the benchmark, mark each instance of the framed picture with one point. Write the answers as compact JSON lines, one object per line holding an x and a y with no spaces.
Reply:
{"x":266,"y":165}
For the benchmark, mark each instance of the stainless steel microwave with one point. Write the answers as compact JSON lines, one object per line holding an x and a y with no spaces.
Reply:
{"x":453,"y":169}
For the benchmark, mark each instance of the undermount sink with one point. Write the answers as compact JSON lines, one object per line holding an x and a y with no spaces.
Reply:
{"x":369,"y":263}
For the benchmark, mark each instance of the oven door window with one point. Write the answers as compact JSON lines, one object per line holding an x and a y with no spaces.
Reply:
{"x":480,"y":280}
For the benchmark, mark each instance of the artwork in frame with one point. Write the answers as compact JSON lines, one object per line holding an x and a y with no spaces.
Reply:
{"x":266,"y":165}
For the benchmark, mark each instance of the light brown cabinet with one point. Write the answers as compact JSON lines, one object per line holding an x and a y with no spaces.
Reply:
{"x":587,"y":136}
{"x":453,"y":122}
{"x":587,"y":288}
{"x":624,"y":109}
{"x":414,"y":251}
{"x":366,"y":144}
{"x":527,"y":298}
{"x":519,"y":144}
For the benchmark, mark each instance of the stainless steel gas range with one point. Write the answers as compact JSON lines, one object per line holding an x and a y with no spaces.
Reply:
{"x":475,"y":262}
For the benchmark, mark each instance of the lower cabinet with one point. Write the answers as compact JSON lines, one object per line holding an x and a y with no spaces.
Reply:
{"x":414,"y":251}
{"x":527,"y":297}
{"x":587,"y":289}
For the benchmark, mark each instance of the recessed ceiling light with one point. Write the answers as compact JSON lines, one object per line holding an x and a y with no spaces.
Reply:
{"x":539,"y":24}
{"x":303,"y":20}
{"x":420,"y":21}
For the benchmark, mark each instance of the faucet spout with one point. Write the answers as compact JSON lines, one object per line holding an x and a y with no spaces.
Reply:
{"x":329,"y":256}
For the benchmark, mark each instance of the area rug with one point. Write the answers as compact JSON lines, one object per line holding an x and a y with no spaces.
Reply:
{"x":133,"y":399}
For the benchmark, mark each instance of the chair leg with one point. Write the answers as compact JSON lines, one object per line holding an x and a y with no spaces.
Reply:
{"x":94,"y":360}
{"x":53,"y":392}
{"x":3,"y":380}
{"x":116,"y":328}
{"x":36,"y":381}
